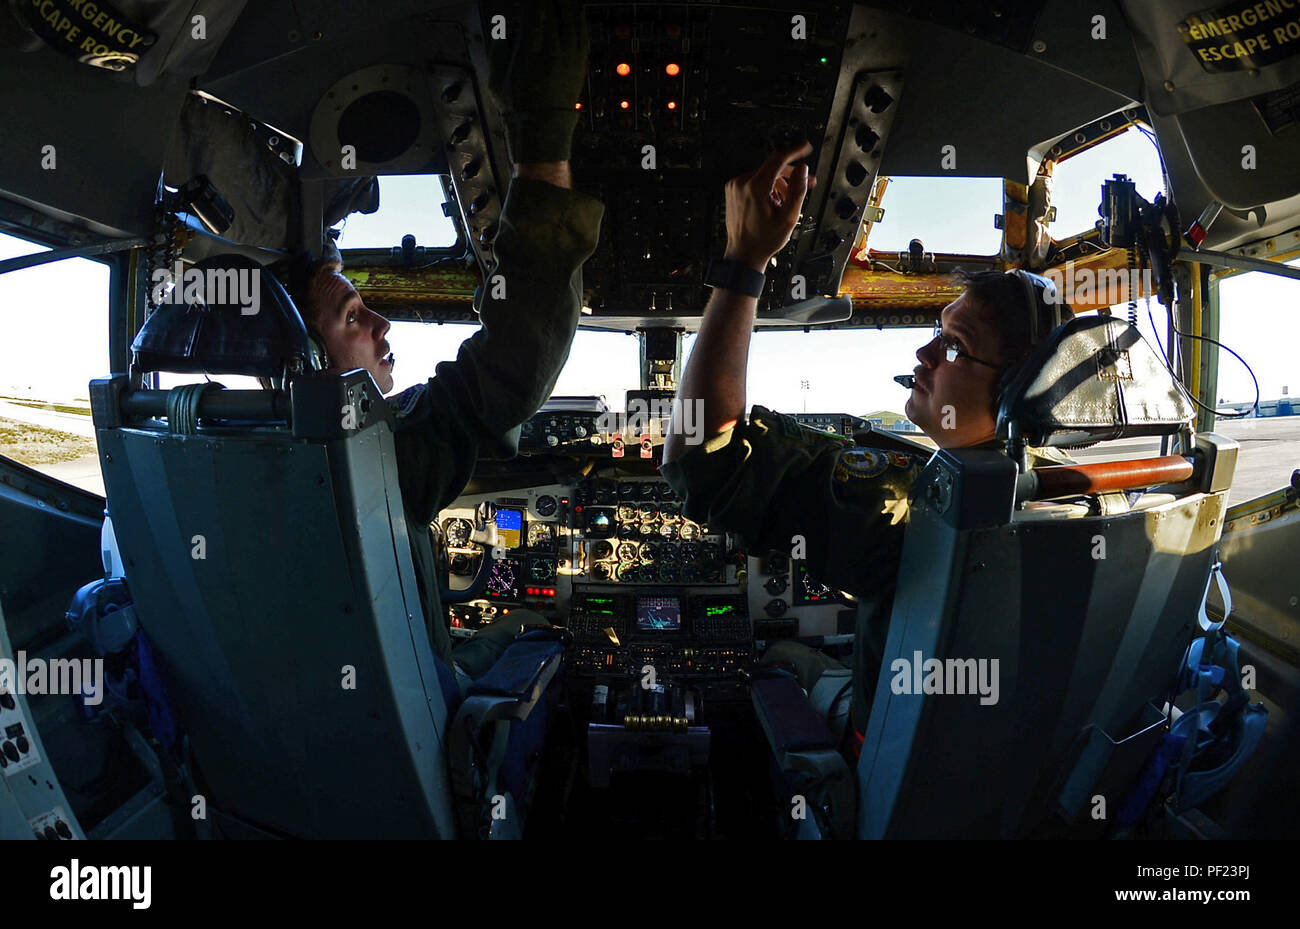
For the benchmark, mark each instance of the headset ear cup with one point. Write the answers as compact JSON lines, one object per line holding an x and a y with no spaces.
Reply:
{"x":320,"y":358}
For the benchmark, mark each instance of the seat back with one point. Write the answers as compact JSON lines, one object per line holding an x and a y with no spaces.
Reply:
{"x":263,"y":538}
{"x":1030,"y":652}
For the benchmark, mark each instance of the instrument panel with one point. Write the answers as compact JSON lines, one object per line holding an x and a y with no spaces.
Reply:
{"x":638,"y":584}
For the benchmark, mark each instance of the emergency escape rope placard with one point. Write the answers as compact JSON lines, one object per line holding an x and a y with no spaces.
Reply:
{"x":93,"y":33}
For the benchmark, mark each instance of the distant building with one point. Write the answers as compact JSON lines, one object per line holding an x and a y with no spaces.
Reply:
{"x":894,"y":422}
{"x":1283,"y":406}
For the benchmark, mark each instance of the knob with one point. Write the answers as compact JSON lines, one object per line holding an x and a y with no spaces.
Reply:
{"x":580,"y":431}
{"x":552,"y":440}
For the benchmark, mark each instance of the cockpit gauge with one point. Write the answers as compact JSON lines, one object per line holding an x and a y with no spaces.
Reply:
{"x":711,"y":551}
{"x":669,"y":510}
{"x":668,"y":573}
{"x":503,"y":581}
{"x":775,"y":608}
{"x":542,"y":569}
{"x":690,"y":531}
{"x":668,"y":530}
{"x":541,"y":535}
{"x":647,"y":529}
{"x":649,"y":553}
{"x":776,"y":585}
{"x":546,"y":505}
{"x":627,"y":551}
{"x":628,"y":531}
{"x":689,"y":551}
{"x":627,"y":491}
{"x":625,"y":572}
{"x":646,"y":511}
{"x":626,"y":512}
{"x":457,"y":532}
{"x":601,"y":550}
{"x":690,"y":574}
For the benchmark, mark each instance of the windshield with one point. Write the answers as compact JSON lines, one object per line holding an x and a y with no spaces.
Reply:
{"x":600,"y":363}
{"x":840,"y":371}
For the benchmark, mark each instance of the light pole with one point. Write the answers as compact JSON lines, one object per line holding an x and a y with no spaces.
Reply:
{"x":803,"y":387}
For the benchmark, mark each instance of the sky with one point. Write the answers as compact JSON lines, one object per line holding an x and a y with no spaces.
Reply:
{"x":55,"y":331}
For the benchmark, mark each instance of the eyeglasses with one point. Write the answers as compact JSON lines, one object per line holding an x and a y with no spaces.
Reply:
{"x":952,"y":351}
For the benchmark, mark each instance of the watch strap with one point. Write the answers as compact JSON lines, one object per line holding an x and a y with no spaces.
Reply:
{"x":734,"y":276}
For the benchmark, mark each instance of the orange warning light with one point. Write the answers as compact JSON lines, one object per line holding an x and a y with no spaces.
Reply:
{"x":673,"y":69}
{"x":623,"y":69}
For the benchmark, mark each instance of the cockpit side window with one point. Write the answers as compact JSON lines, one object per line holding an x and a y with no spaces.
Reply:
{"x":408,"y":205}
{"x":53,"y":341}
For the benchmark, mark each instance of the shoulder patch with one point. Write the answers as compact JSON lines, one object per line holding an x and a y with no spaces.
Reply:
{"x":860,"y":464}
{"x":405,"y":402}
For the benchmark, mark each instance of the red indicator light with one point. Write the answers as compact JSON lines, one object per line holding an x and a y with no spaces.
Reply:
{"x":672,"y":104}
{"x":673,"y":69}
{"x":578,"y":105}
{"x":623,"y":104}
{"x":623,"y":69}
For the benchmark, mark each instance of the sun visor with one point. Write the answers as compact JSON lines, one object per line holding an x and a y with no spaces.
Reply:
{"x":1197,"y":53}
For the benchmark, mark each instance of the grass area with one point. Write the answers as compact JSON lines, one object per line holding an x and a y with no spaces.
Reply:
{"x":56,"y":407}
{"x":35,"y":446}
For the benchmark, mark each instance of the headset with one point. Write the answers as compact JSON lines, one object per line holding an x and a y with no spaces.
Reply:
{"x":1044,"y":304}
{"x":292,"y":272}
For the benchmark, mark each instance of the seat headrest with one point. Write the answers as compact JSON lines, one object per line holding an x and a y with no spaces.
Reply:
{"x":226,"y":315}
{"x":1094,"y":378}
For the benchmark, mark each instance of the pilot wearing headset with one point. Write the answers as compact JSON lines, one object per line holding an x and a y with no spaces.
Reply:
{"x":507,"y":369}
{"x":769,"y":479}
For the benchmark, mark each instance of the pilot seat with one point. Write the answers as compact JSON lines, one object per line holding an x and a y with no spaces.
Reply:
{"x":263,"y":541}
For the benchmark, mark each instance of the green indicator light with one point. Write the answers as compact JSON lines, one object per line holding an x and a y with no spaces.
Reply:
{"x":823,"y":61}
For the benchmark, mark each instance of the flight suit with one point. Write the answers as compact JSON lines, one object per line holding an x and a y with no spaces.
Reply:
{"x":502,"y":375}
{"x":771,"y":479}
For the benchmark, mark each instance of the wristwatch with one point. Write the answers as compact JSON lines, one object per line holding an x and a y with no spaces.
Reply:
{"x":734,"y":276}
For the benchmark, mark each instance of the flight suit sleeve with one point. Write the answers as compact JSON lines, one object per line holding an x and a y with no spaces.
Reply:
{"x":771,"y":480}
{"x":506,"y":370}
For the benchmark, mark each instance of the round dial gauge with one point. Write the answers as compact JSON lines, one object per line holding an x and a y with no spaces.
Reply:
{"x":546,"y":505}
{"x":649,"y":553}
{"x":668,"y":573}
{"x":669,"y":510}
{"x":690,"y":530}
{"x":540,"y":535}
{"x":627,"y":551}
{"x":457,"y":532}
{"x":690,"y":551}
{"x":542,"y":569}
{"x":601,"y":550}
{"x":668,"y":530}
{"x":690,"y":574}
{"x":647,"y":529}
{"x":646,"y":511}
{"x":626,"y":512}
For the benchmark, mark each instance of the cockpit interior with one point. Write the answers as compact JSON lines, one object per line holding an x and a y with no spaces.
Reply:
{"x":246,"y":576}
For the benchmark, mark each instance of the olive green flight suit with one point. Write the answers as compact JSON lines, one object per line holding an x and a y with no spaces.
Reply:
{"x":502,"y":375}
